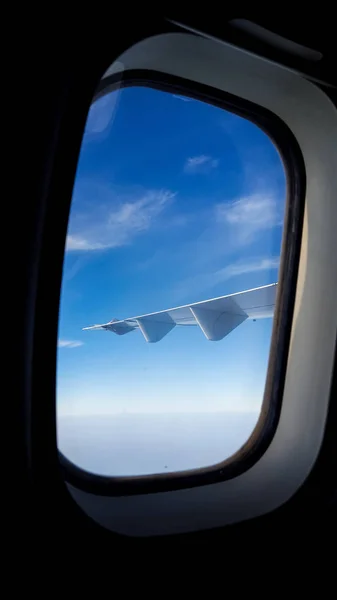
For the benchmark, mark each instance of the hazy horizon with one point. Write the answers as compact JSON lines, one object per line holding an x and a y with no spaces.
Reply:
{"x":144,"y":443}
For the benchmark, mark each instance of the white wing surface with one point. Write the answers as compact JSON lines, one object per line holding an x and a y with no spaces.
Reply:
{"x":216,"y":317}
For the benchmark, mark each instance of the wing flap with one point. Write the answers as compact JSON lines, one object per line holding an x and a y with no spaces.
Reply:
{"x":120,"y":327}
{"x":156,"y":327}
{"x":216,"y":324}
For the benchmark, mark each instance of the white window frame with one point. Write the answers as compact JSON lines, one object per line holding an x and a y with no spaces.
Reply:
{"x":288,"y":460}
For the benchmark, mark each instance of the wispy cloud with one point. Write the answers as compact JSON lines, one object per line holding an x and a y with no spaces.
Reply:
{"x":76,"y":242}
{"x":250,"y":214}
{"x":243,"y":267}
{"x":200,"y":164}
{"x":203,"y":281}
{"x":69,"y":343}
{"x":226,"y":229}
{"x":110,"y":226}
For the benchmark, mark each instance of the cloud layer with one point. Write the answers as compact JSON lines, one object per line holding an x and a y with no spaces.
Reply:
{"x":111,"y":226}
{"x":69,"y":343}
{"x":200,"y":164}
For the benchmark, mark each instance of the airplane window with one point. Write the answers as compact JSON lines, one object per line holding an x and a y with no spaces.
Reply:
{"x":170,"y":277}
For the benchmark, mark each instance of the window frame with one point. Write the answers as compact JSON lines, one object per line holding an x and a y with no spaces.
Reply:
{"x":264,"y":431}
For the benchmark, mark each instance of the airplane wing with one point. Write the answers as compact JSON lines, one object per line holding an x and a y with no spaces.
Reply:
{"x":216,"y":317}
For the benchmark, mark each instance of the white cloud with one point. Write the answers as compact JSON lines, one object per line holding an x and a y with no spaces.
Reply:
{"x":107,"y":226}
{"x":250,"y":214}
{"x":200,"y":164}
{"x":69,"y":343}
{"x":207,"y":280}
{"x":243,"y":267}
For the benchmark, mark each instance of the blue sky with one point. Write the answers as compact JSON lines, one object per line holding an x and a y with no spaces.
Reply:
{"x":175,"y":201}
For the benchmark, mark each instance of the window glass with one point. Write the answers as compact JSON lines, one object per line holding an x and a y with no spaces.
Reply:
{"x":175,"y":202}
